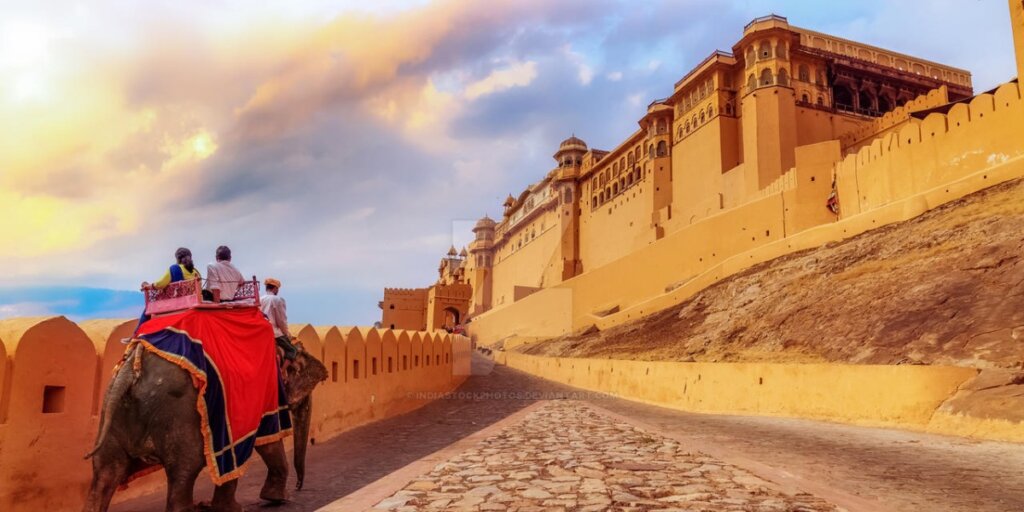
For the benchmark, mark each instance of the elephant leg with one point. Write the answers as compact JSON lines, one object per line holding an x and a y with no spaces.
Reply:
{"x":224,"y":498}
{"x":181,"y":479}
{"x":300,"y":430}
{"x":109,"y":469}
{"x":275,"y":486}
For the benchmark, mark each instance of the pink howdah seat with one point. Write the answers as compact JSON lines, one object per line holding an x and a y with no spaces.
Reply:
{"x":188,"y":294}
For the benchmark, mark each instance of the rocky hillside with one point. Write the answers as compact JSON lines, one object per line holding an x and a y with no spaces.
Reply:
{"x":943,"y":288}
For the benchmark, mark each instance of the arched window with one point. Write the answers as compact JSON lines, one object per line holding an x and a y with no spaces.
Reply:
{"x":781,"y":50}
{"x":766,"y":77}
{"x":679,"y":132}
{"x":593,"y":202}
{"x":702,"y":117}
{"x":650,"y":150}
{"x":615,"y":188}
{"x":821,"y":78}
{"x":766,"y":50}
{"x":752,"y":82}
{"x":694,"y":121}
{"x":622,"y":163}
{"x":805,"y":99}
{"x":843,"y":97}
{"x":622,"y":184}
{"x":804,"y":73}
{"x":629,"y":158}
{"x":687,"y":127}
{"x":866,"y":100}
{"x":637,"y":153}
{"x":711,"y":111}
{"x":662,"y":149}
{"x":783,"y":77}
{"x":821,"y":101}
{"x":751,"y":56}
{"x":615,"y":168}
{"x":607,"y":193}
{"x":884,"y":104}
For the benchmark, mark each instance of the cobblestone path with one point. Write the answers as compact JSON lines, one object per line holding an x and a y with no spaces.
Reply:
{"x":902,"y":471}
{"x":566,"y":456}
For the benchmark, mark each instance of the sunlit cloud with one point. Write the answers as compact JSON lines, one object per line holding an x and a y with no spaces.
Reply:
{"x":519,"y":74}
{"x":344,"y":140}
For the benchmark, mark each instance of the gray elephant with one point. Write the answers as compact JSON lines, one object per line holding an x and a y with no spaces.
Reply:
{"x":149,"y":417}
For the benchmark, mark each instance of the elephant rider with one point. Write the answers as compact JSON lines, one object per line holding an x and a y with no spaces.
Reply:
{"x":275,"y":310}
{"x":222,"y":278}
{"x":183,"y":270}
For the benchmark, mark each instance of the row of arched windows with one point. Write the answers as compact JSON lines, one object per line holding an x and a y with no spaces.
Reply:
{"x":765,"y":51}
{"x":767,"y":79}
{"x":616,"y":187}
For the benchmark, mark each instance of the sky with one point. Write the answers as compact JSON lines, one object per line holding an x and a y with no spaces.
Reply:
{"x":342,"y":147}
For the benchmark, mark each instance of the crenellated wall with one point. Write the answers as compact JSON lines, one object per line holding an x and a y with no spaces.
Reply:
{"x":970,"y":136}
{"x":54,"y":373}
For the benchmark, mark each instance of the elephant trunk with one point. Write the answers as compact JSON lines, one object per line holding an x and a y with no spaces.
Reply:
{"x":120,"y":385}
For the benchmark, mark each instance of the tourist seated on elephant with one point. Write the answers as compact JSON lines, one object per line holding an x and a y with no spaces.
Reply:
{"x":222,"y":278}
{"x":183,"y":270}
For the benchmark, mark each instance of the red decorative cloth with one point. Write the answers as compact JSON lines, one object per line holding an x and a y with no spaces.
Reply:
{"x":231,"y":356}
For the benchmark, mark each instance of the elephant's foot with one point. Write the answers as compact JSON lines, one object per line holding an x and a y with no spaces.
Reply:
{"x":223,"y":499}
{"x":274,"y":489}
{"x":207,"y":506}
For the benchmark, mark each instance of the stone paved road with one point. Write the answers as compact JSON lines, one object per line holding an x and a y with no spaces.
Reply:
{"x":902,"y":471}
{"x":566,"y":456}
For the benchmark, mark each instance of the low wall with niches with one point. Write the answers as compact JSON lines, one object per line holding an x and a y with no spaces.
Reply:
{"x":903,"y":396}
{"x":54,"y":373}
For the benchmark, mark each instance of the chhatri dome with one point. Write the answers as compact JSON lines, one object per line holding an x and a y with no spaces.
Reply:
{"x":484,"y":223}
{"x":573,"y":142}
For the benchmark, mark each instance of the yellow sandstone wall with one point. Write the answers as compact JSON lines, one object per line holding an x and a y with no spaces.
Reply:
{"x":918,"y":167}
{"x":537,"y":262}
{"x":54,"y":373}
{"x":905,"y":396}
{"x":1017,"y":19}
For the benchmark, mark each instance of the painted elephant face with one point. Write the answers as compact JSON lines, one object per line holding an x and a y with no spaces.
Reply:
{"x":303,"y":375}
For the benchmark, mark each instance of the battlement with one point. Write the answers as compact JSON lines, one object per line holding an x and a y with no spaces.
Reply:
{"x":63,"y":396}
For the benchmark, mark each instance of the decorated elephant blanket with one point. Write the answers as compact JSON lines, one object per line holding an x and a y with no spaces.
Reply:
{"x":231,"y":356}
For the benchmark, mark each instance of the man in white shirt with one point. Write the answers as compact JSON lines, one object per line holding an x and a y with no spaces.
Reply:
{"x":276,"y":312}
{"x":222,"y":278}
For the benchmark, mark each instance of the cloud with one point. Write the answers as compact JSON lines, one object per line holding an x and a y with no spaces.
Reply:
{"x":519,"y":74}
{"x":336,"y":148}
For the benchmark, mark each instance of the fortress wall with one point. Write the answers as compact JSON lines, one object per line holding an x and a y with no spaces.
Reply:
{"x":49,"y":425}
{"x":941,"y":149}
{"x":543,"y":314}
{"x":676,"y":257}
{"x":904,"y":396}
{"x":894,"y":178}
{"x":521,"y":268}
{"x":54,"y":374}
{"x":618,"y":227}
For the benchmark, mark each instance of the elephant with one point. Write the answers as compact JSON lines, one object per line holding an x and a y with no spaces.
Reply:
{"x":149,"y":417}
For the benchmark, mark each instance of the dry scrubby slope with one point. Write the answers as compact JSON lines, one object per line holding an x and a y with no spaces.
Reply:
{"x":943,"y":288}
